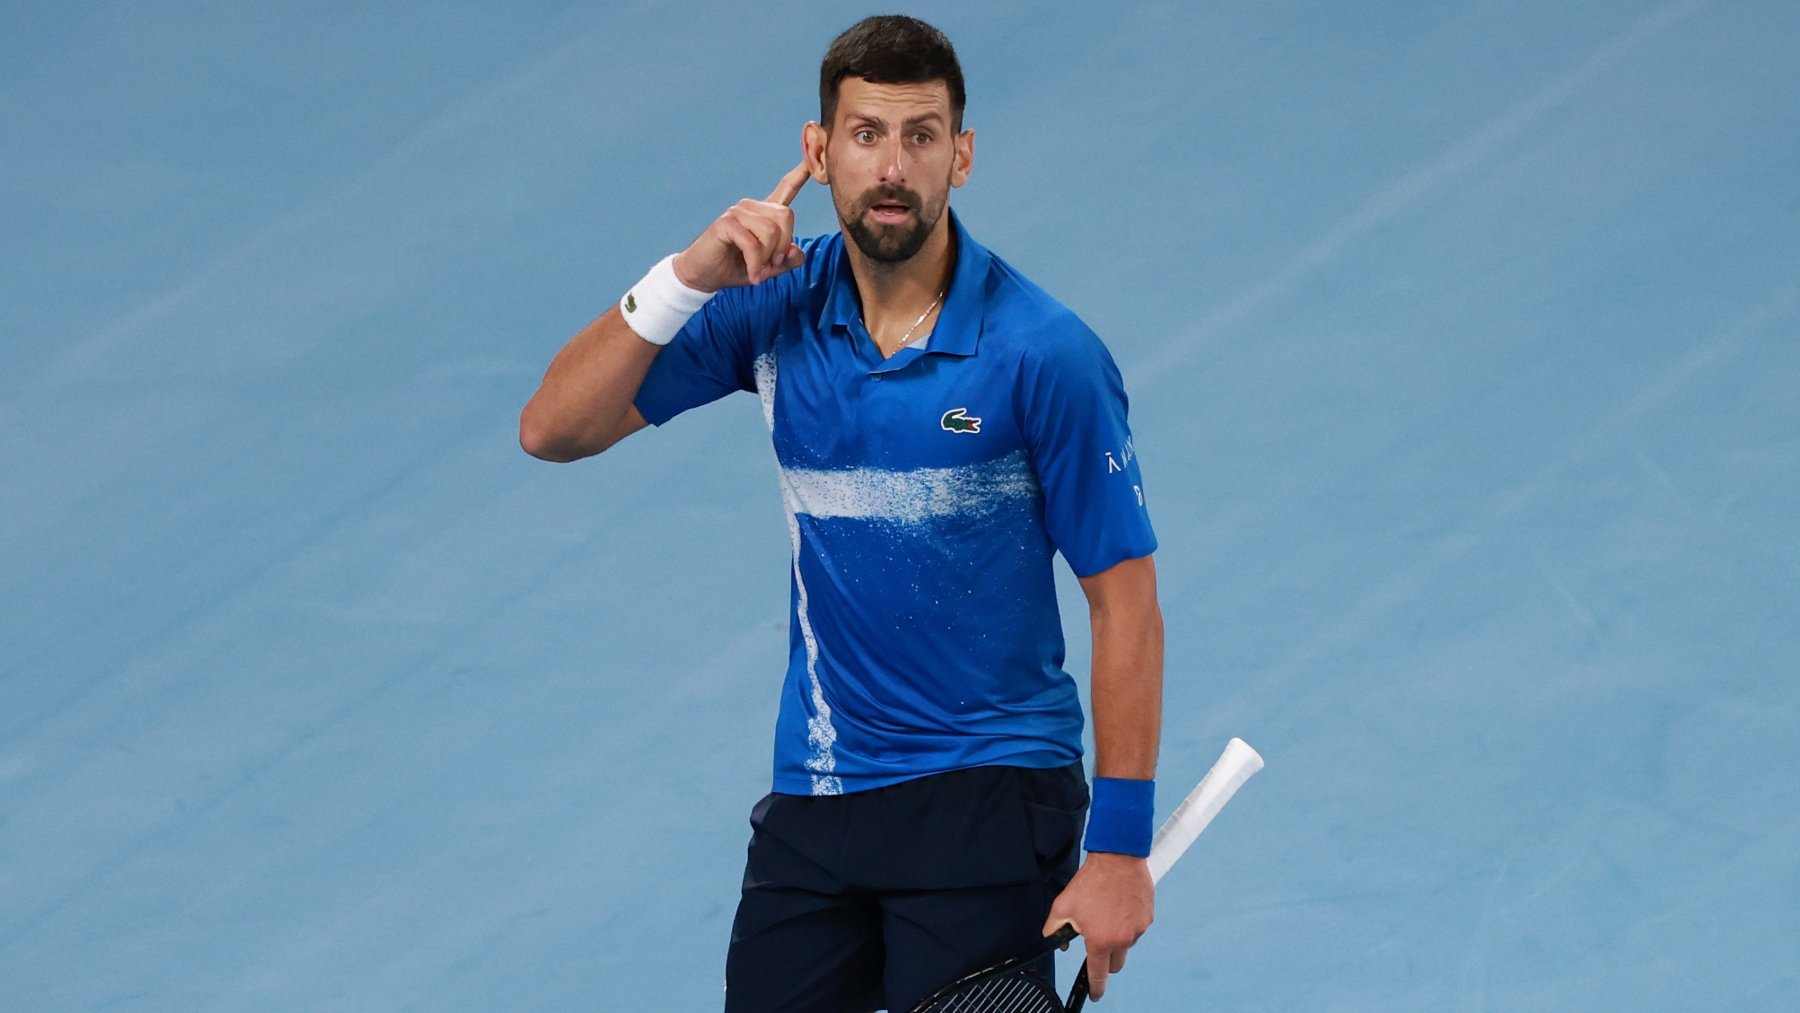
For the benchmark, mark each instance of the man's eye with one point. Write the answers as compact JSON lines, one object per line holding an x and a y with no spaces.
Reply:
{"x":921,"y":139}
{"x":865,"y":136}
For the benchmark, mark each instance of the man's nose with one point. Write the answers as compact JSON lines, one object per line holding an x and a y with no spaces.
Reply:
{"x":893,"y":162}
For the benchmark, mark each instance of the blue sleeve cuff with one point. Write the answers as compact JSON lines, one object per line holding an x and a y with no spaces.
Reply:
{"x":1120,"y":818}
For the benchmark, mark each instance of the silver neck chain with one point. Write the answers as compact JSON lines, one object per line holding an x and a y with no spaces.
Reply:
{"x":908,"y":336}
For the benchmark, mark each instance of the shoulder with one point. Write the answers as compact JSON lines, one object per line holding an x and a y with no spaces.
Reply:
{"x":820,"y":265}
{"x":1035,"y":328}
{"x":810,"y":284}
{"x":805,"y":287}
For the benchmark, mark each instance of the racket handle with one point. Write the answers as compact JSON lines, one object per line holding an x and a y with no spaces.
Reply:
{"x":1235,"y":766}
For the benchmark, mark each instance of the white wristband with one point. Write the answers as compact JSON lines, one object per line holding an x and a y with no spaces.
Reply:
{"x":658,"y":306}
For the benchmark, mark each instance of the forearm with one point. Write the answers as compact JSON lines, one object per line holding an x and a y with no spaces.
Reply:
{"x":1126,"y":694}
{"x":580,"y":408}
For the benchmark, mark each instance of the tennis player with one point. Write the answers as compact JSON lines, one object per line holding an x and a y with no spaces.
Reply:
{"x":943,"y":427}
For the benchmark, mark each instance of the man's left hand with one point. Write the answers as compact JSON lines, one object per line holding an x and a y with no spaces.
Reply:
{"x":1111,"y":901}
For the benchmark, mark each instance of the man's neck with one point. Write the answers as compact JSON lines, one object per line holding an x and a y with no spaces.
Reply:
{"x":897,"y":292}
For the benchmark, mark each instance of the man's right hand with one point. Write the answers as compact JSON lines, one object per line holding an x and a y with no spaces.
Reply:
{"x":751,"y":242}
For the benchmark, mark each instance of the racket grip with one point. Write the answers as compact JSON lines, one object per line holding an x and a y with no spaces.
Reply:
{"x":1235,"y":766}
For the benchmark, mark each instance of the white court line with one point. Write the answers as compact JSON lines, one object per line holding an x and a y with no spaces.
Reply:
{"x":1409,"y":190}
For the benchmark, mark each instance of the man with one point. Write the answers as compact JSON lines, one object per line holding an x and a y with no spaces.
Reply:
{"x":942,"y":428}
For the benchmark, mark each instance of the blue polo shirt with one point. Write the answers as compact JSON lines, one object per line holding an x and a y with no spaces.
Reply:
{"x":926,"y":497}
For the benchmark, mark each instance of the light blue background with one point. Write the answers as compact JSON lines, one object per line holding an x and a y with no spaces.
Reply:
{"x":1464,"y":348}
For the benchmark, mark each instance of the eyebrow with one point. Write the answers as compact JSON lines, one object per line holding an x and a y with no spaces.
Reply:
{"x":876,"y":121}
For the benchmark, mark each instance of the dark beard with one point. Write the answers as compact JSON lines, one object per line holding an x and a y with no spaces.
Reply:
{"x":891,"y":244}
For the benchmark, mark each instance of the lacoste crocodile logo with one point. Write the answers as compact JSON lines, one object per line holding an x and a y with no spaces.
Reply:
{"x":630,"y":303}
{"x":955,"y":420}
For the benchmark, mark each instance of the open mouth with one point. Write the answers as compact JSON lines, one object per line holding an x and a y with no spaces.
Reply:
{"x":890,"y":212}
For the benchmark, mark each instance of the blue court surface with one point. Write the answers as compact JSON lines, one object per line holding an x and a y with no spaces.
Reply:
{"x":1463,"y":342}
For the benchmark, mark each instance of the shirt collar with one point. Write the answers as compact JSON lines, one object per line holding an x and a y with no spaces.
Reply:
{"x":958,"y":328}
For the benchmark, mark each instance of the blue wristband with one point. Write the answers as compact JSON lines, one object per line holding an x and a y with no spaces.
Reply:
{"x":1120,"y":817}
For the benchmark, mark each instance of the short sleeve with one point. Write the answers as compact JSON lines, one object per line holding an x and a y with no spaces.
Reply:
{"x":1073,"y":415}
{"x":708,"y":358}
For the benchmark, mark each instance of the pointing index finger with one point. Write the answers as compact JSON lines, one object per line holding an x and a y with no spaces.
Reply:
{"x":790,"y":185}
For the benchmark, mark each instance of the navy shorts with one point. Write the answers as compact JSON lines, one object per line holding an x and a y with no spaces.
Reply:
{"x":872,"y":900}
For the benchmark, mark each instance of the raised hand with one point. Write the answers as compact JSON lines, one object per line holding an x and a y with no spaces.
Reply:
{"x":751,"y":242}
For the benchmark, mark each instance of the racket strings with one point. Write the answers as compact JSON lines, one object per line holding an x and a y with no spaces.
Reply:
{"x":1007,"y":993}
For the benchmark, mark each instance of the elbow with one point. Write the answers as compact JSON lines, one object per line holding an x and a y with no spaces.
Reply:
{"x":542,"y":441}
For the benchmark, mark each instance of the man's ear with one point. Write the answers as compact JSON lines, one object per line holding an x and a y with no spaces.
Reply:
{"x":964,"y":162}
{"x":812,"y":145}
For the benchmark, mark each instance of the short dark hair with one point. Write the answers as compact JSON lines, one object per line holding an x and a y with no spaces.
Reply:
{"x":890,"y":49}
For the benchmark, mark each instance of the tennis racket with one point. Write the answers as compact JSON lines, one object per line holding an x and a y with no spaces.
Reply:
{"x":1008,"y":987}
